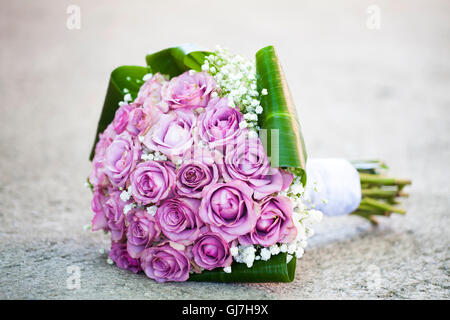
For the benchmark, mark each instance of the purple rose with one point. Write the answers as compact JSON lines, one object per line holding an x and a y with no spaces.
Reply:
{"x":137,"y":121}
{"x":178,"y":220}
{"x":189,"y":90}
{"x":152,"y":181}
{"x":121,"y":117}
{"x":97,"y":176}
{"x":219,"y":124}
{"x":247,"y":161}
{"x":193,"y":175}
{"x":114,"y":215}
{"x":142,"y":232}
{"x":120,"y":159}
{"x":172,"y":135}
{"x":99,"y":222}
{"x":122,"y":259}
{"x":274,"y":225}
{"x":165,"y":263}
{"x":229,"y":209}
{"x":211,"y":251}
{"x":149,"y":97}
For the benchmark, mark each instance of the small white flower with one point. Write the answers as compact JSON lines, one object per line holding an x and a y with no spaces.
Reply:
{"x":264,"y":92}
{"x":227,"y":269}
{"x":299,"y":252}
{"x":274,"y":250}
{"x":234,"y":251}
{"x":125,"y":90}
{"x":214,"y":94}
{"x":152,"y":210}
{"x":283,"y":247}
{"x":127,"y":97}
{"x":128,"y":208}
{"x":243,"y":124}
{"x":125,"y":196}
{"x":259,"y":109}
{"x":265,"y":254}
{"x":291,"y":248}
{"x":109,"y":261}
{"x":147,"y":77}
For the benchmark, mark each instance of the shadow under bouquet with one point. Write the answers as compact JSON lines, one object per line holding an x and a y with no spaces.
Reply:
{"x":200,"y":170}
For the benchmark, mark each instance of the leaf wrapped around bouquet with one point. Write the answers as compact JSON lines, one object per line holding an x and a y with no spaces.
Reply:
{"x":200,"y":170}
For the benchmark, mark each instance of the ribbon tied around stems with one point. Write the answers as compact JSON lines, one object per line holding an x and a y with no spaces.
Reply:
{"x":333,"y":186}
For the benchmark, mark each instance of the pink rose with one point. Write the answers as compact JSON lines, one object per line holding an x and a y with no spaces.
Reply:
{"x":114,"y":215}
{"x":120,"y":159}
{"x":152,"y":181}
{"x":211,"y":251}
{"x":149,"y":97}
{"x":120,"y":121}
{"x":219,"y":124}
{"x":165,"y":263}
{"x":189,"y":90}
{"x":172,"y":135}
{"x":97,"y":176}
{"x":274,"y":225}
{"x":247,"y":161}
{"x":142,"y":232}
{"x":122,"y":259}
{"x":193,"y":175}
{"x":99,"y":222}
{"x":229,"y":209}
{"x":178,"y":220}
{"x":130,"y":117}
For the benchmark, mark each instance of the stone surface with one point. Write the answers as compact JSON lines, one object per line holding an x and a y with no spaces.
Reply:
{"x":360,"y":93}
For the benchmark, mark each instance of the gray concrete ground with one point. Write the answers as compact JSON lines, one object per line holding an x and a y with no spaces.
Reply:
{"x":360,"y":92}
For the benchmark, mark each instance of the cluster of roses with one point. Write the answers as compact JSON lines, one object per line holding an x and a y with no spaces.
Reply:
{"x":178,"y":182}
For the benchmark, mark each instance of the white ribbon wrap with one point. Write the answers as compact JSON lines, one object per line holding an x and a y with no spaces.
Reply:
{"x":333,"y":186}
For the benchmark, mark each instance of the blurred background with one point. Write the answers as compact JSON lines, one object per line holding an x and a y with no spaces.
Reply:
{"x":370,"y":79}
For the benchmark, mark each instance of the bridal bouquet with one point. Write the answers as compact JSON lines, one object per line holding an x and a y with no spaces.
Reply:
{"x":200,"y":172}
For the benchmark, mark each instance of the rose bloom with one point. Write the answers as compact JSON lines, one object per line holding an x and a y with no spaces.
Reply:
{"x":189,"y":90}
{"x":120,"y":159}
{"x":114,"y":215}
{"x":247,"y":161}
{"x":149,"y":97}
{"x":152,"y":181}
{"x":274,"y":225}
{"x":171,"y":135}
{"x":97,"y":176}
{"x":130,"y":117}
{"x":121,"y":117}
{"x":178,"y":220}
{"x":193,"y":175}
{"x":165,"y":263}
{"x":142,"y":232}
{"x":229,"y":209}
{"x":122,"y":259}
{"x":211,"y":251}
{"x":219,"y":124}
{"x":99,"y":221}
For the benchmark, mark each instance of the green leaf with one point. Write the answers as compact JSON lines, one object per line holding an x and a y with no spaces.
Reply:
{"x":279,"y":117}
{"x":174,"y":61}
{"x":274,"y":270}
{"x":124,"y":77}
